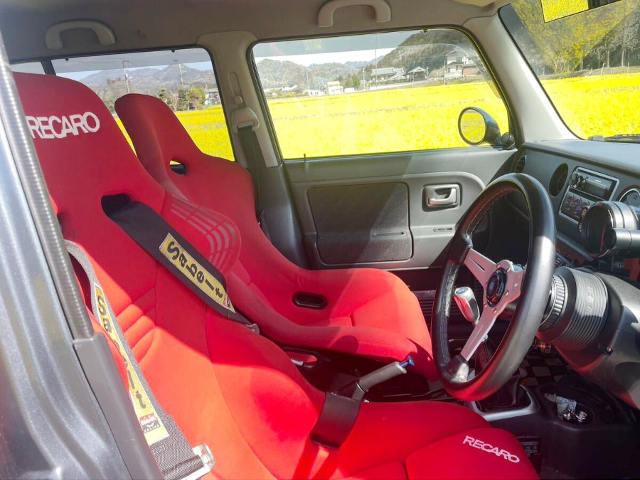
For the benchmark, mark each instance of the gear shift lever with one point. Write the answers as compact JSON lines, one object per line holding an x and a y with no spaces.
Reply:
{"x":510,"y":395}
{"x":467,"y":303}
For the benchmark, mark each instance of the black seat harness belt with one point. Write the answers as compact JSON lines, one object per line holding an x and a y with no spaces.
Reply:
{"x":168,"y":247}
{"x":253,"y":156}
{"x":336,"y":420}
{"x":174,"y":455}
{"x":186,"y":263}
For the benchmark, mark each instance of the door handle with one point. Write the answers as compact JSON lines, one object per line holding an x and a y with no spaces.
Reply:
{"x":441,"y":196}
{"x":450,"y":199}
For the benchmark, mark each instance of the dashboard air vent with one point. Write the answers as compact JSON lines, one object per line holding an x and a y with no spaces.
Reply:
{"x":519,"y":168}
{"x":558,"y":179}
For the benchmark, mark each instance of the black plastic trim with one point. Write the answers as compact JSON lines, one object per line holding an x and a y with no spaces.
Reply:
{"x":314,"y":301}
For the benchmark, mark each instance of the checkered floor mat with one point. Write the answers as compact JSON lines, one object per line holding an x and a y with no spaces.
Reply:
{"x":538,"y":369}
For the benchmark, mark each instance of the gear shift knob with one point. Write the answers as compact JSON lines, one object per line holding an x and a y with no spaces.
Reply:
{"x":467,"y":303}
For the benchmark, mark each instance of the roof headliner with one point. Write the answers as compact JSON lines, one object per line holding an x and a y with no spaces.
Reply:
{"x":146,"y":24}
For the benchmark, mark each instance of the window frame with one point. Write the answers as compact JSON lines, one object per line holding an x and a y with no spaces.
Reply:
{"x":253,"y":69}
{"x":47,"y":64}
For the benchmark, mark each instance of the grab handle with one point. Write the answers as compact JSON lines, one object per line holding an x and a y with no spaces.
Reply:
{"x":380,"y":7}
{"x":53,"y":37}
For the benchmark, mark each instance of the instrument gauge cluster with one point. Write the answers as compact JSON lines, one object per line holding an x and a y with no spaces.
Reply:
{"x":631,"y":197}
{"x":613,"y":228}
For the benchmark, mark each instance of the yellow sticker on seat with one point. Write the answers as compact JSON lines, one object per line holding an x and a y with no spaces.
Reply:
{"x":195,"y":272}
{"x":150,"y":422}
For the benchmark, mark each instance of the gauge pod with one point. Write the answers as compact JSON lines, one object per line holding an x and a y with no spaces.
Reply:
{"x":611,"y":228}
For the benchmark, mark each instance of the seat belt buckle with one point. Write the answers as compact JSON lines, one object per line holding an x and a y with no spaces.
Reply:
{"x":362,"y":385}
{"x":244,"y":117}
{"x":208,"y":462}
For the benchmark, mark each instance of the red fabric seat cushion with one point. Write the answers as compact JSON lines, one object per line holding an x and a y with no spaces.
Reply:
{"x":370,"y":312}
{"x":224,"y":385}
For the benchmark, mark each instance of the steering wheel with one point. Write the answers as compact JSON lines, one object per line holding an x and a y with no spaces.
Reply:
{"x":502,"y":283}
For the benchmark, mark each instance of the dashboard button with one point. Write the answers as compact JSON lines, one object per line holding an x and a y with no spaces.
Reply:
{"x":584,"y":211}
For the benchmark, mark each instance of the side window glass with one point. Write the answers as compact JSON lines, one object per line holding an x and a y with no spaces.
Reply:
{"x":28,"y":67}
{"x":376,"y":93}
{"x":184,"y":79}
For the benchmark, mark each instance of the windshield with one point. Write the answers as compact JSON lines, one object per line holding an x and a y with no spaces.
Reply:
{"x":589,"y":64}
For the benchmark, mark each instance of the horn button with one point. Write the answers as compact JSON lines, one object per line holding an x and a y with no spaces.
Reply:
{"x":496,"y":286}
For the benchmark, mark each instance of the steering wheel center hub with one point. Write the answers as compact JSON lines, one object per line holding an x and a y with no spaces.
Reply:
{"x":496,"y":286}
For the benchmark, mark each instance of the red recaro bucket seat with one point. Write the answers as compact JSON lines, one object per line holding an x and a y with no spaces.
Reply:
{"x":223,"y":384}
{"x":388,"y":322}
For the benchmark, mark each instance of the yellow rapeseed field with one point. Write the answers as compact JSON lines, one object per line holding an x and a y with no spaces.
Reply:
{"x":419,"y":118}
{"x":599,"y":105}
{"x":555,"y":9}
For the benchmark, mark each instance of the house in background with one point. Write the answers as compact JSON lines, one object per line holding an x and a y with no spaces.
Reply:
{"x":418,"y":73}
{"x":334,"y":88}
{"x":291,"y":89}
{"x":314,"y":93}
{"x":386,"y":73}
{"x":459,"y":64}
{"x":211,"y":97}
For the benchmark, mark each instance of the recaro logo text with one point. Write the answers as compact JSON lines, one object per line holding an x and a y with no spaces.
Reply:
{"x":485,"y":447}
{"x":60,"y":127}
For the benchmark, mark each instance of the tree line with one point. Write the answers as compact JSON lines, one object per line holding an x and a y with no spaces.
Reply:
{"x":183,"y":99}
{"x":605,"y":37}
{"x":178,"y":99}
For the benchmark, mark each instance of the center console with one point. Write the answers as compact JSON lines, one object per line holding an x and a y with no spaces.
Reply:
{"x":586,"y":187}
{"x":600,"y":441}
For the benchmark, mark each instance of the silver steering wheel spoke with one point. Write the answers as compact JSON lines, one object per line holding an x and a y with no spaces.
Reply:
{"x":502,"y":284}
{"x":480,"y":266}
{"x":479,"y":334}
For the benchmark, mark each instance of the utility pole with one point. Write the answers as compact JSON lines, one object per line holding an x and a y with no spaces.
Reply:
{"x":180,"y":69}
{"x":306,"y":72}
{"x":375,"y":53}
{"x":126,"y":75}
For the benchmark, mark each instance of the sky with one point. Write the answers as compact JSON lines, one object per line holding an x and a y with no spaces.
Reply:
{"x":305,"y":60}
{"x":356,"y":48}
{"x":330,"y":50}
{"x":333,"y":57}
{"x":83,"y":74}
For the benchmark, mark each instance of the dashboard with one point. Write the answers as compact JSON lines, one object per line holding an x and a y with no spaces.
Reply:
{"x":578,"y":174}
{"x":594,"y":188}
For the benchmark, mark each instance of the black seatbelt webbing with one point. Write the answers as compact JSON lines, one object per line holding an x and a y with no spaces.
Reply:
{"x":174,"y":455}
{"x":336,"y":420}
{"x":169,"y":248}
{"x":254,"y":157}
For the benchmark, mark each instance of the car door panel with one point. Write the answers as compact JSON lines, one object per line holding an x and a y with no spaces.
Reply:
{"x":395,"y":211}
{"x":359,"y":223}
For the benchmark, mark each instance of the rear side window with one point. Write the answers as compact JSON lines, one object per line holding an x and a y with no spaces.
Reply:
{"x":184,"y":79}
{"x":28,"y":67}
{"x":372,"y":94}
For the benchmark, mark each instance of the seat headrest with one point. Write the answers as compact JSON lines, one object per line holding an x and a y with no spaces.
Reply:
{"x":156,"y":132}
{"x":83,"y":153}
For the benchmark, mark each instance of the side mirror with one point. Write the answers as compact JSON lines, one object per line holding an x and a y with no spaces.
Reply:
{"x":476,"y":126}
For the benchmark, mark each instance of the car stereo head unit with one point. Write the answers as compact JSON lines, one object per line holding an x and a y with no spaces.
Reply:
{"x":586,"y":187}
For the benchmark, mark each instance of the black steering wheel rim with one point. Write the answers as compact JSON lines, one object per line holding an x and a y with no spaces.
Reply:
{"x":534,"y":289}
